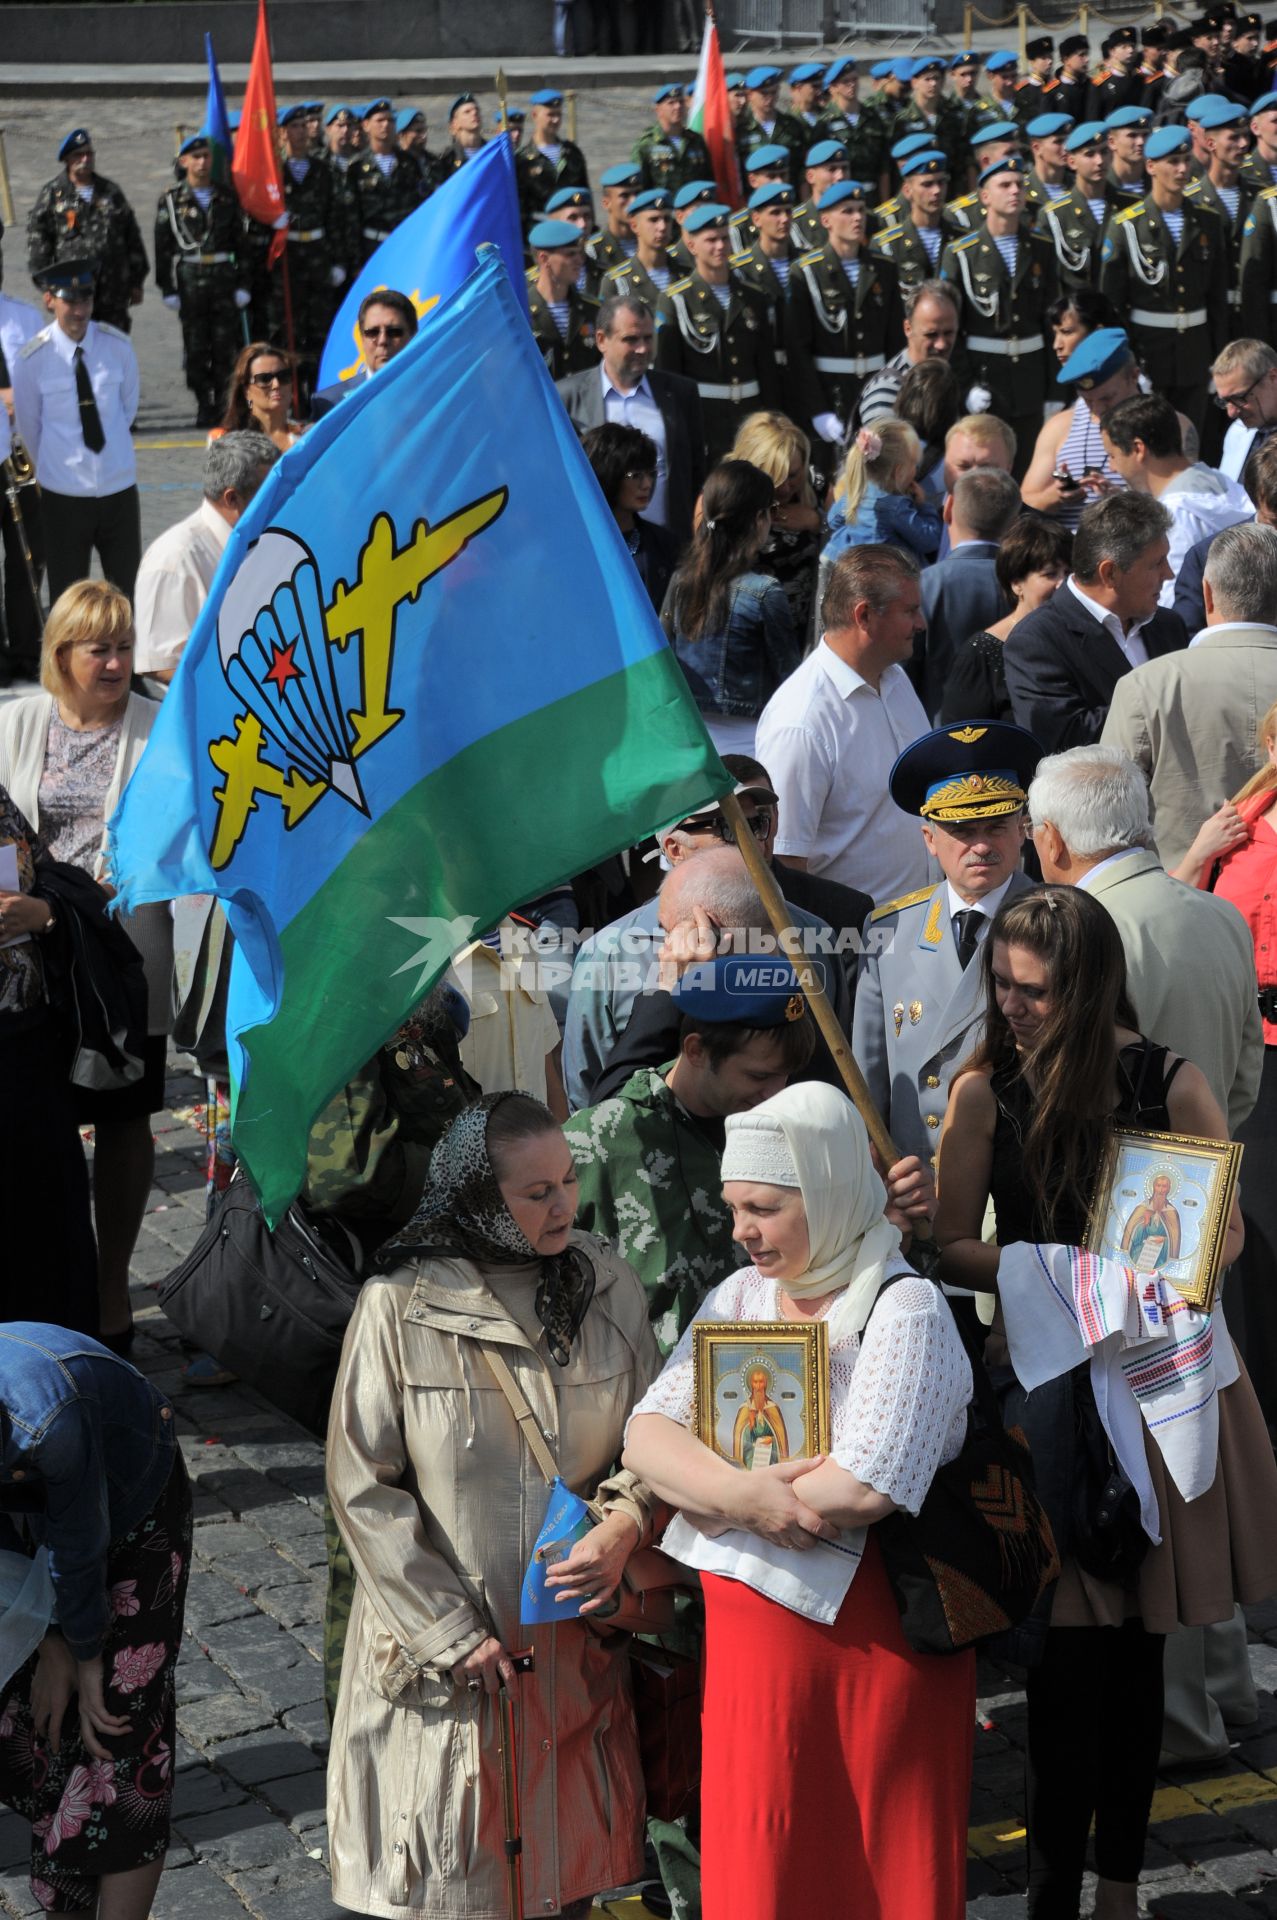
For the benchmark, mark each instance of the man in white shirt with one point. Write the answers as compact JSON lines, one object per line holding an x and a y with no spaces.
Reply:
{"x":20,"y":657}
{"x":1142,"y":443}
{"x":177,"y":570}
{"x":830,"y":734}
{"x":75,"y":397}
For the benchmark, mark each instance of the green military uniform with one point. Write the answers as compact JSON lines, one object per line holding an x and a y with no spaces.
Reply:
{"x":757,"y":270}
{"x":837,"y":333}
{"x":379,"y":201}
{"x":1037,"y":192}
{"x":322,"y":234}
{"x":603,"y":252}
{"x":539,"y":177}
{"x":670,"y":160}
{"x":1077,"y":236}
{"x":788,"y":131}
{"x":805,"y":231}
{"x":904,"y":246}
{"x":964,"y":214}
{"x":201,"y":256}
{"x":1257,"y":173}
{"x":888,"y":213}
{"x":1173,"y":299}
{"x":726,"y":352}
{"x":1204,"y":194}
{"x":1003,"y":334}
{"x":864,"y":142}
{"x":634,"y":278}
{"x":450,"y":161}
{"x":63,"y":223}
{"x":947,"y":131}
{"x":1257,"y":272}
{"x":576,"y":352}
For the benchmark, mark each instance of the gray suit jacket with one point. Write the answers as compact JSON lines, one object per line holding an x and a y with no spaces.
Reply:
{"x":1191,"y":721}
{"x":1190,"y":970}
{"x":680,"y":408}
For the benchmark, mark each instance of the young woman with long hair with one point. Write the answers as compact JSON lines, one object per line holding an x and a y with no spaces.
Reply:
{"x":1062,"y":1061}
{"x":259,"y":395}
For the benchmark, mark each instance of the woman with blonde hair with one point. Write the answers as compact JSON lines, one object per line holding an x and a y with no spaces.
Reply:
{"x":781,"y":450}
{"x":66,"y":756}
{"x":259,"y":395}
{"x":877,"y":498}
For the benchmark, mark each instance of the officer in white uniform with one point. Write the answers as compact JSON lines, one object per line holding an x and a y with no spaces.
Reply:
{"x":921,"y":992}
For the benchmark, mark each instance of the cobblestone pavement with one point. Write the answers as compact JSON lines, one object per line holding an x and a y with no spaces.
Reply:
{"x":249,"y":1831}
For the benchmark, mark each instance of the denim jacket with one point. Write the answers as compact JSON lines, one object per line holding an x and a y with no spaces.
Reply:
{"x":86,"y":1446}
{"x":888,"y":517}
{"x":734,"y":672}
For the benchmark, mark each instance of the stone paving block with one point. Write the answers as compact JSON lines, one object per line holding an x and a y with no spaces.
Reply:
{"x":197,"y":1677}
{"x":299,"y":1903}
{"x":201,"y":1790}
{"x":254,"y":1758}
{"x":15,"y":1841}
{"x":1263,"y":1667}
{"x":217,"y":1540}
{"x":311,"y":1723}
{"x":251,"y":1568}
{"x":15,"y":1893}
{"x":195,"y":1892}
{"x":296,"y":1873}
{"x":238,"y":1838}
{"x":221,"y":1716}
{"x":299,"y":1799}
{"x":211,"y":1601}
{"x":299,"y":1605}
{"x":1236,"y":1867}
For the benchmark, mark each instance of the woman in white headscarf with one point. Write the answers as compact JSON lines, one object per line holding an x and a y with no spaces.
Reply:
{"x":835,"y":1756}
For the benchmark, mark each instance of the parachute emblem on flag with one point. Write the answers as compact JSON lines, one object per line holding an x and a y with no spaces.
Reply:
{"x":298,"y":738}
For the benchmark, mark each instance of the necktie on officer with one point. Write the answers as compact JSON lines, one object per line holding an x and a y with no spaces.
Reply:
{"x":90,"y":418}
{"x":967,"y":925}
{"x":5,"y":381}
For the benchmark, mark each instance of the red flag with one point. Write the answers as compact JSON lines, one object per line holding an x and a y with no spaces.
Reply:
{"x":711,"y":116}
{"x":255,"y":168}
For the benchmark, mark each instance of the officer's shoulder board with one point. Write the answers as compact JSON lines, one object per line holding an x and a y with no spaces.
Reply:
{"x":617,"y":273}
{"x":809,"y":259}
{"x":1268,"y":193}
{"x":968,"y":240}
{"x":679,"y":286}
{"x":1053,"y":206}
{"x":741,"y":259}
{"x":887,"y":234}
{"x":37,"y":340}
{"x":1194,"y":186}
{"x":905,"y":900}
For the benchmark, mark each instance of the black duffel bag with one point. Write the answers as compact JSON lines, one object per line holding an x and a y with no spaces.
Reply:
{"x":271,"y":1307}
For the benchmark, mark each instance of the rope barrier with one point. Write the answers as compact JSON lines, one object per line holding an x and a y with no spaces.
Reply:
{"x":1023,"y":15}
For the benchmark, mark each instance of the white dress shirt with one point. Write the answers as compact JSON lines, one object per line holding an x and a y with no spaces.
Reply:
{"x":987,"y":907}
{"x":1128,"y":640}
{"x":1109,"y":860}
{"x":173,"y":583}
{"x":829,"y":741}
{"x":638,"y":409}
{"x":19,"y":322}
{"x":48,"y":410}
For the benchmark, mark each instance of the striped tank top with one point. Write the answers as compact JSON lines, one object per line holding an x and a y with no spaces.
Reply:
{"x":1083,"y":447}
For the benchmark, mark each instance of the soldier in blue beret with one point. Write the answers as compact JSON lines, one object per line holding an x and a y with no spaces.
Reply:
{"x":465,"y":139}
{"x":81,"y":212}
{"x":915,"y":241}
{"x":613,"y":245}
{"x":855,"y":125}
{"x":919,"y":998}
{"x":342,"y":134}
{"x":806,"y":88}
{"x":714,"y":330}
{"x":694,"y":193}
{"x":1074,"y":218}
{"x":648,"y":272}
{"x":1165,"y":268}
{"x":546,"y":160}
{"x":1071,"y":465}
{"x":563,"y":318}
{"x":1260,"y":164}
{"x":824,"y":165}
{"x":992,"y":140}
{"x":668,"y":153}
{"x":325,"y":247}
{"x":1128,"y":131}
{"x":764,"y":262}
{"x":1221,"y":188}
{"x":383,"y":185}
{"x":1049,"y":175}
{"x":203,"y":272}
{"x":932,"y":112}
{"x":1000,"y":100}
{"x":765,"y":166}
{"x":764,"y":124}
{"x":888,"y":212}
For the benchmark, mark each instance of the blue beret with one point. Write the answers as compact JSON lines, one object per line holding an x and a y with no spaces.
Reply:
{"x":624,"y":175}
{"x":76,"y":140}
{"x":546,"y":97}
{"x":194,"y":140}
{"x":734,"y":82}
{"x":462,"y":100}
{"x":1048,"y":123}
{"x":772,"y":194}
{"x":713,"y":214}
{"x":313,"y":106}
{"x":656,"y":200}
{"x":1265,"y":104}
{"x":881,"y":69}
{"x":1009,"y":163}
{"x":932,"y":161}
{"x":694,"y":191}
{"x":579,"y":197}
{"x":1218,"y":112}
{"x":999,"y":61}
{"x":1086,"y":135}
{"x":1128,"y":117}
{"x":761,"y":77}
{"x":336,"y":110}
{"x":285,"y":114}
{"x":515,"y":115}
{"x":928,"y":63}
{"x":740,"y":990}
{"x":668,"y":92}
{"x":824,"y":153}
{"x":374,"y":106}
{"x":1096,"y":358}
{"x":1204,"y":104}
{"x":996,"y":130}
{"x":75,"y":274}
{"x":969,"y":57}
{"x":767,"y":157}
{"x":840,"y":191}
{"x":809,"y":70}
{"x":836,"y":69}
{"x":405,"y":117}
{"x":912,"y":143}
{"x":1167,"y":140}
{"x":948,"y":776}
{"x":902,"y":70}
{"x":554,"y":233}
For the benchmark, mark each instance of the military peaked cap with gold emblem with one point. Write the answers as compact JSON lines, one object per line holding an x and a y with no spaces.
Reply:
{"x":973,"y":772}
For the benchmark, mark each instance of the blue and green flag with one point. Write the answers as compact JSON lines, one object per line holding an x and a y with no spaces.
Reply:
{"x":216,"y":123}
{"x":427,"y":685}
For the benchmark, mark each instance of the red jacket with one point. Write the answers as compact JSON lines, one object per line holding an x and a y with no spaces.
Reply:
{"x":1248,"y":878}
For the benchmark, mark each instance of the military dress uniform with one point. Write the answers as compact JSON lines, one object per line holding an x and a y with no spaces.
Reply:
{"x":756,"y":270}
{"x":576,"y":352}
{"x":1173,"y":299}
{"x":1037,"y":192}
{"x":633,"y":278}
{"x":963,"y":214}
{"x":380,"y":201}
{"x":1073,"y":96}
{"x":670,"y":160}
{"x":1257,"y":270}
{"x":201,"y":256}
{"x":1111,"y":90}
{"x":788,"y":131}
{"x":835,"y":333}
{"x":1204,"y":194}
{"x":1076,"y":235}
{"x":864,"y":141}
{"x":322,"y":236}
{"x":450,"y":161}
{"x":904,"y":246}
{"x":1256,"y":171}
{"x":727,"y":352}
{"x":64,"y":225}
{"x":1003,"y":336}
{"x":539,"y":177}
{"x":805,"y":230}
{"x":947,"y":132}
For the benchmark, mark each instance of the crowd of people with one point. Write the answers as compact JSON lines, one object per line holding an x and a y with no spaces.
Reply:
{"x":949,"y":464}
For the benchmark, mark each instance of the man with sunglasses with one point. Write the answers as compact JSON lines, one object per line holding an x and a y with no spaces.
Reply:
{"x":387,"y":322}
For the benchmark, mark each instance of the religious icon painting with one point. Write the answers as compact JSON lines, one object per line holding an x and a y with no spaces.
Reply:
{"x":762,"y":1390}
{"x":1161,"y":1206}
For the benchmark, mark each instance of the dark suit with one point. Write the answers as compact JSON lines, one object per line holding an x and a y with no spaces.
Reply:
{"x":1189,"y":602}
{"x":1062,"y":667}
{"x":326,"y":399}
{"x":679,"y":405}
{"x":960,"y":596}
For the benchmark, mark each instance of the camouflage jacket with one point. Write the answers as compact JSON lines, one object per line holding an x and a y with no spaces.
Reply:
{"x":670,"y":160}
{"x":62,"y":222}
{"x":379,"y":201}
{"x":190,"y":236}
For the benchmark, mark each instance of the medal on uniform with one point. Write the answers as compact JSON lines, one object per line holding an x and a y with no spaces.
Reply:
{"x":915,"y":1012}
{"x":898,"y":1015}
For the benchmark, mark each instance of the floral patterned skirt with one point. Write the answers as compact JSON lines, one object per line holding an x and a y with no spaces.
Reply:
{"x":90,"y":1817}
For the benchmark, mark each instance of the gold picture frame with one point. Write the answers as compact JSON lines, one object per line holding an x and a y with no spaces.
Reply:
{"x":1162,"y":1205}
{"x":790,"y":1393}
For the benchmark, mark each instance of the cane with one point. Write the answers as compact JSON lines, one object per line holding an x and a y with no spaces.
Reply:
{"x":510,"y":1795}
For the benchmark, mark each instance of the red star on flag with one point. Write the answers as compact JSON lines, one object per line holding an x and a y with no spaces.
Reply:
{"x":282,"y":668}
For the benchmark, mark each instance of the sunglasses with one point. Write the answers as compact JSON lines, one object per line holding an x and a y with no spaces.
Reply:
{"x":1225,"y":401}
{"x":383,"y":333}
{"x":758,"y":823}
{"x":267,"y":379}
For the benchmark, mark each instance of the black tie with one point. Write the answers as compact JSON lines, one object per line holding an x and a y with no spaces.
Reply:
{"x":5,"y":381}
{"x":968,"y":926}
{"x":90,"y":418}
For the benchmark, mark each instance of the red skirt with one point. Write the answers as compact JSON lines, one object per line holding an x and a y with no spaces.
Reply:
{"x":837,"y":1760}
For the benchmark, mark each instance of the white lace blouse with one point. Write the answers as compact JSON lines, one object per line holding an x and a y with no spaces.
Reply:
{"x":898,"y":1410}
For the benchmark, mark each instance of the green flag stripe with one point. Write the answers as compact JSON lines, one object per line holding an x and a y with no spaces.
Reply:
{"x":503,"y":821}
